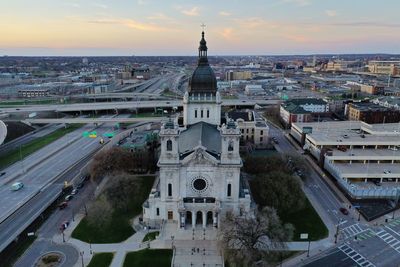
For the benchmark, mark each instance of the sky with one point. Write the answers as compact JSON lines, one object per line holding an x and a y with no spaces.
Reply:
{"x":163,"y":27}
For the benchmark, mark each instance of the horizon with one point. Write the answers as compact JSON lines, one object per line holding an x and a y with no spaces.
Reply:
{"x":154,"y":27}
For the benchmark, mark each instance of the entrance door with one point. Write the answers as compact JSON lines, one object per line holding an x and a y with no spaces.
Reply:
{"x":170,"y":215}
{"x":188,"y":218}
{"x":199,"y":218}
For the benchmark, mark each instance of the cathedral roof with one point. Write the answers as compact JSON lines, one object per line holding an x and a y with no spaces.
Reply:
{"x":203,"y":79}
{"x":203,"y":134}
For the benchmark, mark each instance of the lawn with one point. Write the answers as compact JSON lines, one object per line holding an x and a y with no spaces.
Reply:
{"x":306,"y":220}
{"x":150,"y":236}
{"x":275,"y":258}
{"x":119,"y":228}
{"x":149,"y":258}
{"x":31,"y":147}
{"x":101,"y":259}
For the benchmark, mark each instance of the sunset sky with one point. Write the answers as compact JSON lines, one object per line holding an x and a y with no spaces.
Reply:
{"x":161,"y":27}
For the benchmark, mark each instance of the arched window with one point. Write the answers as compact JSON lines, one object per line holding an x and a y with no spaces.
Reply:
{"x":195,"y":113}
{"x":169,"y":145}
{"x":229,"y":191}
{"x":170,"y":190}
{"x":201,"y":113}
{"x":230,"y":146}
{"x":208,"y":113}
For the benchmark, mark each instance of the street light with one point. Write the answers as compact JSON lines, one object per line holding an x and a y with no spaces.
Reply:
{"x":81,"y":253}
{"x":337,"y":230}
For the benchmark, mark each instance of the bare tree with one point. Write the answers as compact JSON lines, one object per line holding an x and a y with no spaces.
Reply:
{"x":279,"y":190}
{"x":247,"y":241}
{"x":120,"y":188}
{"x":100,"y":212}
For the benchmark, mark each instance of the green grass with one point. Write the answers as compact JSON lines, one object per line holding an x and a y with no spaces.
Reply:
{"x":31,"y":147}
{"x":305,"y":220}
{"x":101,"y":259}
{"x":119,"y":227}
{"x":29,"y":102}
{"x":150,"y":236}
{"x":149,"y":258}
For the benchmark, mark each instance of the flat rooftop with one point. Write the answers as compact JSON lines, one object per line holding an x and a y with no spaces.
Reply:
{"x":367,"y":154}
{"x":371,"y":170}
{"x":351,"y":133}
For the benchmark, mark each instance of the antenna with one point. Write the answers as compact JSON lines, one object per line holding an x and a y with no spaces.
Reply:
{"x":203,"y":26}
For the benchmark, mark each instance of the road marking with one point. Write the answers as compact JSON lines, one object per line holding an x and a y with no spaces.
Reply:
{"x":355,"y":256}
{"x":352,"y":230}
{"x":389,"y":239}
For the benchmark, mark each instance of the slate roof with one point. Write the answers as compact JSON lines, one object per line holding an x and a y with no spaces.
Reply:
{"x":200,"y":133}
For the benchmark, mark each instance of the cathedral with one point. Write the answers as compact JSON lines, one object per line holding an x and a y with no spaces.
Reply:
{"x":199,"y":179}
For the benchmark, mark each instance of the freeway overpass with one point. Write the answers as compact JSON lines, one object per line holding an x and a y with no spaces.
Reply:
{"x":93,"y":120}
{"x":128,"y":105}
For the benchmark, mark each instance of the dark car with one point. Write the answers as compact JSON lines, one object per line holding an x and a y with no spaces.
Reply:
{"x":64,"y":225}
{"x":344,"y":211}
{"x":69,"y":197}
{"x":63,"y":205}
{"x":2,"y":173}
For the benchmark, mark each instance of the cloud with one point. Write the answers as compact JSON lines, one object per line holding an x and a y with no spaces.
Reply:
{"x":296,"y":38}
{"x":100,"y":5}
{"x":227,"y":33}
{"x":368,"y":24}
{"x":142,"y":2}
{"x":160,"y":16}
{"x":224,"y":13}
{"x":130,"y":23}
{"x":331,"y":13}
{"x":255,"y":22}
{"x":194,"y":11}
{"x":76,"y":5}
{"x":298,"y":2}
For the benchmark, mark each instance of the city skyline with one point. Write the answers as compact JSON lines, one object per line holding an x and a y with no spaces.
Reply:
{"x":150,"y":27}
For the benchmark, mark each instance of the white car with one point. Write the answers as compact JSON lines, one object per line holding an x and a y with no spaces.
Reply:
{"x":17,"y":186}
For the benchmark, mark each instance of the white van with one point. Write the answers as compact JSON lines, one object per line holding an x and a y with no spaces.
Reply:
{"x":17,"y":186}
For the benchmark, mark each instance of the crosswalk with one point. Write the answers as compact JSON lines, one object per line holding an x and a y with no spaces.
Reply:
{"x":389,"y":239}
{"x":355,"y":256}
{"x":352,"y":230}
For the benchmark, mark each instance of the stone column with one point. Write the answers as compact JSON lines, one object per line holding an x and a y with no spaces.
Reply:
{"x":204,"y":213}
{"x":215,"y":219}
{"x":194,"y":219}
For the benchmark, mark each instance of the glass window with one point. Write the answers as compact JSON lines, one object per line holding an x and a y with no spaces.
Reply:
{"x":229,"y":191}
{"x":169,"y":145}
{"x":170,"y":190}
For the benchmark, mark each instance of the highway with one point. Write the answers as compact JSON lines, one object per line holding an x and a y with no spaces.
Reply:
{"x":22,"y":140}
{"x":94,"y":120}
{"x":77,"y":107}
{"x":41,"y":176}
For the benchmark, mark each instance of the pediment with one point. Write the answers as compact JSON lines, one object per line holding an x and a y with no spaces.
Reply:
{"x":199,"y":157}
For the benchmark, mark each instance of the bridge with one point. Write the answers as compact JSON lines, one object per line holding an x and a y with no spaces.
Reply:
{"x":98,"y":106}
{"x":94,"y":120}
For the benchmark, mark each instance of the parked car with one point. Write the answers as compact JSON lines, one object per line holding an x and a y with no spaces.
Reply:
{"x":63,"y":205}
{"x":344,"y":211}
{"x":64,"y":225}
{"x":17,"y":186}
{"x":69,"y":197}
{"x":386,"y":172}
{"x":74,"y":191}
{"x":2,"y":173}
